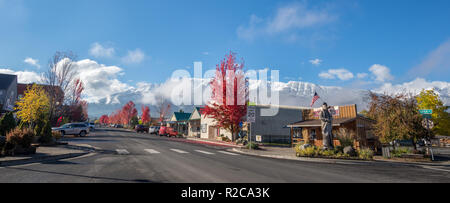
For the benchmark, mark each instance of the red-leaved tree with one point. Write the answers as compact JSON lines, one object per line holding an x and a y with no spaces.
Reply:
{"x":104,"y":119}
{"x":228,"y":104}
{"x":145,"y":114}
{"x":128,"y":111}
{"x":78,"y":107}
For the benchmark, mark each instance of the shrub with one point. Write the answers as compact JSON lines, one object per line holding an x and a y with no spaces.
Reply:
{"x":56,"y":135}
{"x":400,"y":151}
{"x":46,"y":133}
{"x":252,"y":146}
{"x":345,"y":137}
{"x":328,"y":153}
{"x":7,"y":123}
{"x":308,"y":151}
{"x":242,"y":140}
{"x":226,"y":139}
{"x":19,"y":137}
{"x":366,"y":154}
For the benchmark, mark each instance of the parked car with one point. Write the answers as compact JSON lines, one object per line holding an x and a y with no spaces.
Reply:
{"x":167,"y":131}
{"x":79,"y":129}
{"x":118,"y":126}
{"x":141,"y":129}
{"x":154,"y":130}
{"x":91,"y":126}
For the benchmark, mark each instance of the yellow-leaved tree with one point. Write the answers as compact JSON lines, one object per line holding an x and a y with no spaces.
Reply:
{"x":429,"y":99}
{"x":32,"y":105}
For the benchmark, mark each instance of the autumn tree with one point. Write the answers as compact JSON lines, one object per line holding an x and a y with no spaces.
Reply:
{"x":104,"y":119}
{"x":114,"y":118}
{"x":60,"y":74}
{"x":397,"y":117}
{"x":145,"y":115}
{"x":429,"y":99}
{"x":228,"y":103}
{"x":77,"y":107}
{"x":128,"y":112}
{"x":163,"y":107}
{"x":33,"y":105}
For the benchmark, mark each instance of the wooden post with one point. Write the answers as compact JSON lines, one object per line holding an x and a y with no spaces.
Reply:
{"x":292,"y":137}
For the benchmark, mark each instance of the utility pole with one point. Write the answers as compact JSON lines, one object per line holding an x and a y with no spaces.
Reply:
{"x":429,"y":137}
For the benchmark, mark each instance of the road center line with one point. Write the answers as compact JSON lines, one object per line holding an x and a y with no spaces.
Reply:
{"x":229,"y":153}
{"x":179,"y":151}
{"x":204,"y":152}
{"x":152,"y":151}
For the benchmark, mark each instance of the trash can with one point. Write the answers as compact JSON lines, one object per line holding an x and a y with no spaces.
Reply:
{"x":386,"y":149}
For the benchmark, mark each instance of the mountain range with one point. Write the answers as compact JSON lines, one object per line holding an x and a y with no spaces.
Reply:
{"x":292,"y":93}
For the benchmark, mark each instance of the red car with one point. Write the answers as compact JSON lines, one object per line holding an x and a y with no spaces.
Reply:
{"x":167,"y":131}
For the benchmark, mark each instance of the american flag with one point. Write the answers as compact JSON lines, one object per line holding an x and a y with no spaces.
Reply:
{"x":315,"y":98}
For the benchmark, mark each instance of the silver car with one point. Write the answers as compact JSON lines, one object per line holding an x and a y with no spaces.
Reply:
{"x":79,"y":129}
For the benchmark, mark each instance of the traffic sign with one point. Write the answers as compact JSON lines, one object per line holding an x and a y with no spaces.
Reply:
{"x":251,"y":114}
{"x":426,"y":111}
{"x":426,"y":116}
{"x":428,"y":124}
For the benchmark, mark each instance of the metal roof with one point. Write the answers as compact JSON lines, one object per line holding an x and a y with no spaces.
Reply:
{"x":6,"y":80}
{"x":180,"y":116}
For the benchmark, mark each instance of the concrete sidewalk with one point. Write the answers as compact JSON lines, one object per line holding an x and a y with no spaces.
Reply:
{"x":289,"y":154}
{"x":44,"y":154}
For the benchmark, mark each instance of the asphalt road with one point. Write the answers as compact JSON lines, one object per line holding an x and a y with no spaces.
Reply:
{"x":131,"y":157}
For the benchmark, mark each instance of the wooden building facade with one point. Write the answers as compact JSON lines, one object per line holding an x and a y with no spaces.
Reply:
{"x":346,"y":122}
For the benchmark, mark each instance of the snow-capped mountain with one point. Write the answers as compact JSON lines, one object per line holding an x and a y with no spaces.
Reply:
{"x":292,"y":93}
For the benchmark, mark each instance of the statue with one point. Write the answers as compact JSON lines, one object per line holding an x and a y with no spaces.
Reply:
{"x":326,"y":119}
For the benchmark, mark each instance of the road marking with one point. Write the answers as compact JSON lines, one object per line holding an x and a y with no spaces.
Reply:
{"x":204,"y":152}
{"x":229,"y":153}
{"x":152,"y":151}
{"x":179,"y":151}
{"x":122,"y":152}
{"x":437,"y":169}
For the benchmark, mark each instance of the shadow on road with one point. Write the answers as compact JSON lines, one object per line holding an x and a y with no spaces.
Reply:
{"x":82,"y":176}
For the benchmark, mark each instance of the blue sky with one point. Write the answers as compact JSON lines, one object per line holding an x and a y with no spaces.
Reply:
{"x":361,"y":44}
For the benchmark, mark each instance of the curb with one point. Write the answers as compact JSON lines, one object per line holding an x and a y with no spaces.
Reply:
{"x":40,"y":159}
{"x":338,"y":161}
{"x":287,"y":157}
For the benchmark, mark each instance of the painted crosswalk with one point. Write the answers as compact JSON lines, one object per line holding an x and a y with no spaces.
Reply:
{"x":155,"y":152}
{"x":204,"y":152}
{"x":179,"y":151}
{"x":122,"y":152}
{"x":152,"y":151}
{"x":228,"y":153}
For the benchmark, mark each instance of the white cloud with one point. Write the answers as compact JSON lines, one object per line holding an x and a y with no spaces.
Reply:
{"x":24,"y":76}
{"x":438,"y":61}
{"x":415,"y":87}
{"x":205,"y":53}
{"x":381,"y":73}
{"x":98,"y":50}
{"x":136,"y":56}
{"x":291,"y":17}
{"x":297,"y":15}
{"x":362,"y":75}
{"x":32,"y":62}
{"x":342,"y":74}
{"x":100,"y":81}
{"x":316,"y":62}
